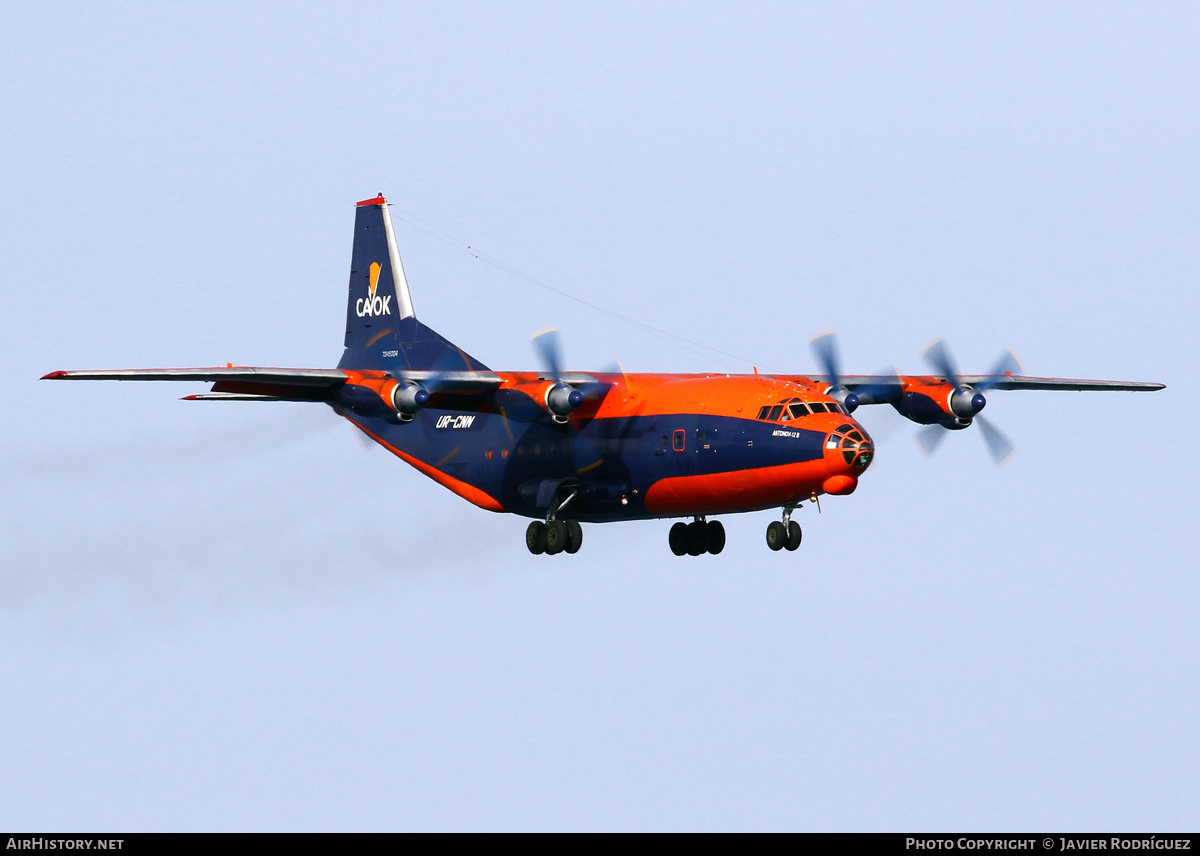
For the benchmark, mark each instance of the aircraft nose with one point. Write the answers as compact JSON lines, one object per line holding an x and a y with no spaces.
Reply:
{"x":854,"y":446}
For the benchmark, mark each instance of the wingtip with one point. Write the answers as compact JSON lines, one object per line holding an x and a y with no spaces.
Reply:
{"x":53,"y":376}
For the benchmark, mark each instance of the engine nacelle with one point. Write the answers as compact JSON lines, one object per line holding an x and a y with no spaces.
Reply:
{"x":408,"y":397}
{"x":844,"y":397}
{"x":934,"y":404}
{"x":562,"y":400}
{"x":362,"y":400}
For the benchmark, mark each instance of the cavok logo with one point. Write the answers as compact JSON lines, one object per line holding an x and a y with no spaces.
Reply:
{"x":449,"y":421}
{"x":373,"y":304}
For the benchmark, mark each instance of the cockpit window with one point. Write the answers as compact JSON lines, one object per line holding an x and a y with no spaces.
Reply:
{"x":794,"y":408}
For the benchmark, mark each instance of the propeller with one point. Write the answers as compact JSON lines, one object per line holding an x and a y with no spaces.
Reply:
{"x":929,"y":438}
{"x":409,"y":396}
{"x":967,"y":401}
{"x":888,"y":388}
{"x":562,"y":399}
{"x":825,"y":347}
{"x":547,"y":345}
{"x":999,"y":446}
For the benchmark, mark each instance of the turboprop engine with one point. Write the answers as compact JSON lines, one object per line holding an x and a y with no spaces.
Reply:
{"x":562,"y":399}
{"x":407,"y":398}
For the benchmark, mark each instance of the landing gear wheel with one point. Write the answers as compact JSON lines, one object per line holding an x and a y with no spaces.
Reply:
{"x":535,"y":537}
{"x":574,"y":536}
{"x":556,"y":537}
{"x":697,"y":538}
{"x":678,"y":539}
{"x":716,"y":536}
{"x":777,"y":535}
{"x":793,"y":536}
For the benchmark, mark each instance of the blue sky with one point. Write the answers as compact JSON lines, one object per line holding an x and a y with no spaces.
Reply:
{"x":236,"y":617}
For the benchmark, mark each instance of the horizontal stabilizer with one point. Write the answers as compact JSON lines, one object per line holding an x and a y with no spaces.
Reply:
{"x":291,"y":377}
{"x":234,"y":396}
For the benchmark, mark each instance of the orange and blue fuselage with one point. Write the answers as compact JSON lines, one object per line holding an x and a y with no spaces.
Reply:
{"x":653,"y":445}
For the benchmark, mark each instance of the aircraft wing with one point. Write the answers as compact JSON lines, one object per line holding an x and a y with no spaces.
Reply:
{"x":1065,"y":383}
{"x":464,"y":389}
{"x":450,"y":381}
{"x":475,"y":381}
{"x":1017,"y":382}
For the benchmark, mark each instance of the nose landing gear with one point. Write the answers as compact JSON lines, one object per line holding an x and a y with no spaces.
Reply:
{"x":698,"y":537}
{"x":785,"y":534}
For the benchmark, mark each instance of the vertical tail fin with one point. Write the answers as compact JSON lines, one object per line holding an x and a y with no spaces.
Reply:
{"x":378,"y":290}
{"x":382,"y":330}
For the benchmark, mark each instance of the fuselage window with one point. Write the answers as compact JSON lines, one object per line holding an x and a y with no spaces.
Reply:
{"x":799,"y":410}
{"x":678,"y":439}
{"x":775,"y":411}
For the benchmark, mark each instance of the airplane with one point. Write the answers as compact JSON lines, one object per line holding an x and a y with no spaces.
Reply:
{"x":566,"y":448}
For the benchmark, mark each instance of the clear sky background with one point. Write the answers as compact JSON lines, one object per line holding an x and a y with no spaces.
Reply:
{"x":234,"y":617}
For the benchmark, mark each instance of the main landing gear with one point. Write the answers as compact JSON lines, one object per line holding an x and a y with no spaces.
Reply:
{"x":698,"y":537}
{"x":785,"y":535}
{"x":554,"y":536}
